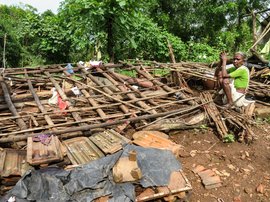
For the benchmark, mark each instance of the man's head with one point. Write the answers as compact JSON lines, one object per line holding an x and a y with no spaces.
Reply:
{"x":239,"y":59}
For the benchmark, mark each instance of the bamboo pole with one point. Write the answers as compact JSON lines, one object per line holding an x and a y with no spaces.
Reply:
{"x":109,"y":96}
{"x":88,"y":97}
{"x":100,"y":125}
{"x":36,"y":98}
{"x":75,"y":115}
{"x":133,"y":89}
{"x":129,"y":95}
{"x":105,"y":89}
{"x":4,"y":51}
{"x":11,"y":106}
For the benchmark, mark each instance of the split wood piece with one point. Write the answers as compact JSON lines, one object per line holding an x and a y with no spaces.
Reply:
{"x":75,"y":115}
{"x":12,"y":108}
{"x":213,"y":112}
{"x":105,"y":89}
{"x":10,"y":180}
{"x":177,"y":123}
{"x":172,"y":58}
{"x":249,"y":110}
{"x":153,"y":139}
{"x":165,"y":87}
{"x":88,"y":97}
{"x":123,"y":89}
{"x":209,"y":178}
{"x":242,"y":123}
{"x":40,"y":106}
{"x":109,"y":141}
{"x":99,"y":125}
{"x":176,"y":76}
{"x":178,"y":188}
{"x":13,"y":162}
{"x":178,"y":80}
{"x":81,"y":150}
{"x":126,"y":169}
{"x":134,"y":89}
{"x":39,"y":153}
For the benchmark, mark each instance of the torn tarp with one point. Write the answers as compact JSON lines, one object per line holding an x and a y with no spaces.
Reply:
{"x":95,"y":179}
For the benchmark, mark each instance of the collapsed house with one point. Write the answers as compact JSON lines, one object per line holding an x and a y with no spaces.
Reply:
{"x":66,"y":116}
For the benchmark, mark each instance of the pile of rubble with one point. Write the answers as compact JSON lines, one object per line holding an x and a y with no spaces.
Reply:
{"x":66,"y":116}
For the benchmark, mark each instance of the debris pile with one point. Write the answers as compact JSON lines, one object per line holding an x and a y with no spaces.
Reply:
{"x":68,"y":116}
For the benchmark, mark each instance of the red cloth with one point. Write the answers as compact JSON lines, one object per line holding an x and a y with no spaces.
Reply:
{"x":61,"y":104}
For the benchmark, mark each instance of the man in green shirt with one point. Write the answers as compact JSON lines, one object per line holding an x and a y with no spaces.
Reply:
{"x":234,"y":90}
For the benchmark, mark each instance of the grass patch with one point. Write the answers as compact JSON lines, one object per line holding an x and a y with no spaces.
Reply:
{"x":161,"y":72}
{"x":130,"y":73}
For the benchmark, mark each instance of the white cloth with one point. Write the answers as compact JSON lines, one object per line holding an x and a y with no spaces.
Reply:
{"x":239,"y":99}
{"x":54,"y":99}
{"x":76,"y":90}
{"x":95,"y":63}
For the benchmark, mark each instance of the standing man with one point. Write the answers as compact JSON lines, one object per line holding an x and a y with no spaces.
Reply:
{"x":235,"y":80}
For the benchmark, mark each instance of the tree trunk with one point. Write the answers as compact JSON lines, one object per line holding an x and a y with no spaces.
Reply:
{"x":110,"y":37}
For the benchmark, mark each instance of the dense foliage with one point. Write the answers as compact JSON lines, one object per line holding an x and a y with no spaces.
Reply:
{"x":113,"y":30}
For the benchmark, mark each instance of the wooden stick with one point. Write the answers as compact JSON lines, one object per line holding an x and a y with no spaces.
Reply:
{"x":101,"y":125}
{"x":106,"y":89}
{"x":144,"y":106}
{"x":40,"y":106}
{"x":11,"y":106}
{"x":109,"y":96}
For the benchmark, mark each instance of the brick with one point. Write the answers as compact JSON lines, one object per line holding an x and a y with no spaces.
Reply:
{"x":211,"y":180}
{"x":198,"y":168}
{"x":206,"y":173}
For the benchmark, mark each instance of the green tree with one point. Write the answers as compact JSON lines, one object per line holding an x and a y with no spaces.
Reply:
{"x":9,"y":18}
{"x":107,"y":22}
{"x":207,"y":21}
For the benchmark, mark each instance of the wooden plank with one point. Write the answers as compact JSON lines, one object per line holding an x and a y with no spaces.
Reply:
{"x":75,"y":115}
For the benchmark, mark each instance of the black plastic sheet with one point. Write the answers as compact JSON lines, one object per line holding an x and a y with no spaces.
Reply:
{"x":95,"y":179}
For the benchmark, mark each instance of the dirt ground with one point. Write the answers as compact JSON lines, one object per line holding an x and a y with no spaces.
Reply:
{"x":244,"y":169}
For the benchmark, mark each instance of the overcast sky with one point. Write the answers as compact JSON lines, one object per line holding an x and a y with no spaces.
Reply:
{"x":40,"y":5}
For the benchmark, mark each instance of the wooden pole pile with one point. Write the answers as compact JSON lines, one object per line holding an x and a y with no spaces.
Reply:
{"x":26,"y":111}
{"x":214,"y":114}
{"x":106,"y":99}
